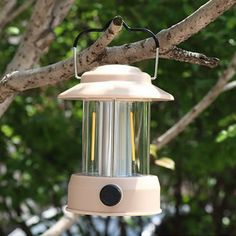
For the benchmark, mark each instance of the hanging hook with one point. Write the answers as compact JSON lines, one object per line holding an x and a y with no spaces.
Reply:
{"x":156,"y":42}
{"x":102,"y":30}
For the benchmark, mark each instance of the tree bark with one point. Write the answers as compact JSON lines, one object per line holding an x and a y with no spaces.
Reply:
{"x":38,"y":36}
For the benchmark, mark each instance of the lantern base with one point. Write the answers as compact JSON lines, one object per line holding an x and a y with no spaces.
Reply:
{"x":114,"y":196}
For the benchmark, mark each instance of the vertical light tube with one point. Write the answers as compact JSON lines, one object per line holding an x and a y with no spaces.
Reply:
{"x":122,"y":139}
{"x":105,"y":137}
{"x":142,"y":136}
{"x":85,"y":134}
{"x":147,"y":115}
{"x":100,"y":140}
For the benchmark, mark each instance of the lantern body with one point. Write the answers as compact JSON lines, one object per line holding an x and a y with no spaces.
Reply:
{"x":115,"y":138}
{"x":115,"y":179}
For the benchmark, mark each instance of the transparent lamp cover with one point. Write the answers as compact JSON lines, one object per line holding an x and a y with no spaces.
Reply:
{"x":115,"y":138}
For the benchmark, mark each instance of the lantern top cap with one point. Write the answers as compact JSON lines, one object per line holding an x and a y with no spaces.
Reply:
{"x":111,"y":82}
{"x":115,"y":73}
{"x":114,"y":69}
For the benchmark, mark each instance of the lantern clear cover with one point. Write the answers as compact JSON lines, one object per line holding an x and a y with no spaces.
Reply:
{"x":115,"y":138}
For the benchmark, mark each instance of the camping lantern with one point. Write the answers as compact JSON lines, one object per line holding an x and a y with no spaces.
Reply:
{"x":115,"y":179}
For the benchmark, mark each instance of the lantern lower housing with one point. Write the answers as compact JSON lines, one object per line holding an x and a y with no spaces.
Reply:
{"x":115,"y":176}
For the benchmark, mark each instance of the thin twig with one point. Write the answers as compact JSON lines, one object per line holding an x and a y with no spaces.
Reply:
{"x":180,"y":54}
{"x":207,"y":100}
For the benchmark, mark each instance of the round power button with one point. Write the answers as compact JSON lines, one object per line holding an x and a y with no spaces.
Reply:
{"x":110,"y":195}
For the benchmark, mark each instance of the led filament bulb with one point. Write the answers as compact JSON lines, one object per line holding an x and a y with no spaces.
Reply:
{"x":93,"y":135}
{"x":115,"y":179}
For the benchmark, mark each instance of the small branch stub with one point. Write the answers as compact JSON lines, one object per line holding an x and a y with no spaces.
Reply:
{"x":180,"y":54}
{"x":117,"y":20}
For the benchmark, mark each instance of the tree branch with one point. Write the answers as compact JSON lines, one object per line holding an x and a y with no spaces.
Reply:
{"x":96,"y":55}
{"x":179,"y":54}
{"x":195,"y":22}
{"x":66,"y":68}
{"x":46,"y":15}
{"x":207,"y":100}
{"x":174,"y":35}
{"x":90,"y":55}
{"x":39,"y":27}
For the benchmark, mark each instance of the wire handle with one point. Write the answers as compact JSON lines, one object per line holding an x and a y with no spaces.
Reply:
{"x":102,"y":30}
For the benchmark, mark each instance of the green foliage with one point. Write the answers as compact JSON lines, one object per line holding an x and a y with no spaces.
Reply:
{"x":40,"y":136}
{"x":229,"y":130}
{"x":229,"y":133}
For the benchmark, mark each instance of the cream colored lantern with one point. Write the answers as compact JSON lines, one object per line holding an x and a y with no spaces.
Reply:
{"x":115,"y":178}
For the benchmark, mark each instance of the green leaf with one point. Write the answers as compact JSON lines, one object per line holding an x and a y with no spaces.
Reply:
{"x":221,"y":136}
{"x":7,"y":130}
{"x":232,"y":131}
{"x":13,"y":30}
{"x":224,"y":134}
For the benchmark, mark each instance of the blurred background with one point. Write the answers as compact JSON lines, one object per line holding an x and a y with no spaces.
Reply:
{"x":40,"y":136}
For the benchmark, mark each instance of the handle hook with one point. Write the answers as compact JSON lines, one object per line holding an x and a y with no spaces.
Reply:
{"x":128,"y":29}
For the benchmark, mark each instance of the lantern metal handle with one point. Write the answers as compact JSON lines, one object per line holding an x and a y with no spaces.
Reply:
{"x":127,"y":28}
